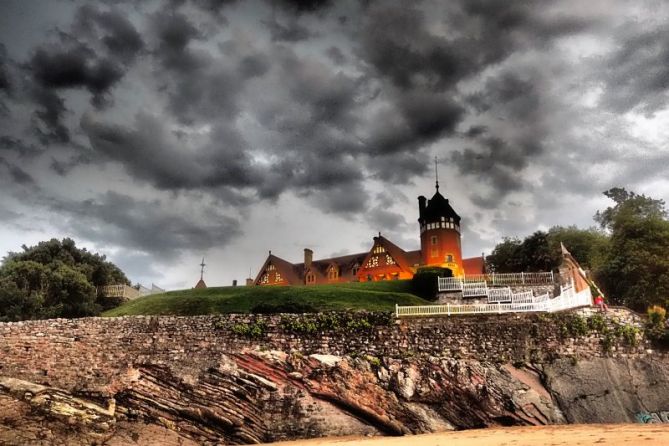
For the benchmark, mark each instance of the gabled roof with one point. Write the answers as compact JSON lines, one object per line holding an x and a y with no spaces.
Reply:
{"x":284,"y":267}
{"x":398,"y":254}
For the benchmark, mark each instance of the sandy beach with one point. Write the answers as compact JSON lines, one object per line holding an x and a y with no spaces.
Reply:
{"x":555,"y":435}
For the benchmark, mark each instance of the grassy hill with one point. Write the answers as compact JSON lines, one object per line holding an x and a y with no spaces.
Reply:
{"x":377,"y":296}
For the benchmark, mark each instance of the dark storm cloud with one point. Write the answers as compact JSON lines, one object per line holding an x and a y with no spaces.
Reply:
{"x":495,"y":159}
{"x":18,"y":146}
{"x":636,"y":74}
{"x":4,"y":69}
{"x":336,"y":55}
{"x":149,"y":152}
{"x":16,"y":173}
{"x":146,"y":226}
{"x":174,"y":32}
{"x":48,"y":117}
{"x":304,"y":6}
{"x":75,"y":68}
{"x":292,"y":32}
{"x":116,"y":32}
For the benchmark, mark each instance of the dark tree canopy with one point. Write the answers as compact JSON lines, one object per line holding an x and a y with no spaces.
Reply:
{"x":55,"y":279}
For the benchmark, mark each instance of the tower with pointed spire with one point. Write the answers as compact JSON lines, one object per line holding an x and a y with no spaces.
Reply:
{"x":439,"y":231}
{"x":200,"y":283}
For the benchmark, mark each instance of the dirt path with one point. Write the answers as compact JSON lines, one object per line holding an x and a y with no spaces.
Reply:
{"x":556,"y":435}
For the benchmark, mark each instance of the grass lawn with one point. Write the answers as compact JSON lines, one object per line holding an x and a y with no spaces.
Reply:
{"x":375,"y":296}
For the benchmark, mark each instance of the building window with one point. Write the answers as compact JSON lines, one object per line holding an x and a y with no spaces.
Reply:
{"x":270,"y":267}
{"x":311,"y":278}
{"x":396,"y":276}
{"x":277,"y":277}
{"x":369,"y":277}
{"x":434,"y":240}
{"x":378,"y":249}
{"x":449,"y":258}
{"x":356,"y":268}
{"x":389,"y":260}
{"x":264,"y":278}
{"x":333,"y":273}
{"x":373,"y":262}
{"x":435,"y":252}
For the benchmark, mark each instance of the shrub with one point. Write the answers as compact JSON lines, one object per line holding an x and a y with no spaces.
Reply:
{"x":251,"y":330}
{"x":577,"y":326}
{"x":596,"y":322}
{"x":656,"y":316}
{"x":424,"y":282}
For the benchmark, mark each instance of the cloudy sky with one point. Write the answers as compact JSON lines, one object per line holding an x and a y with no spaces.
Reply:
{"x":160,"y":132}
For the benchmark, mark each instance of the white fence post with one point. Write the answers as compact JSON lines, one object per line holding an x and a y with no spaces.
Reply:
{"x":448,"y":309}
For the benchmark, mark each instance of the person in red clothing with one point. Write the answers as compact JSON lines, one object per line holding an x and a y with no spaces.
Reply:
{"x":599,"y":302}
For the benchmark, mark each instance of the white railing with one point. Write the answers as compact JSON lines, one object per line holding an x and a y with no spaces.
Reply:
{"x":474,"y":289}
{"x":450,"y":284}
{"x":508,"y":279}
{"x":503,"y":295}
{"x":567,"y":299}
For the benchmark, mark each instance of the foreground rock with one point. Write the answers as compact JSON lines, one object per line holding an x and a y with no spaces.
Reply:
{"x":244,"y":379}
{"x":263,"y":396}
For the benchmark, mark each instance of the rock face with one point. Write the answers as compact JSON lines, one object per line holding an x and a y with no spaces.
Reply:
{"x":254,"y":392}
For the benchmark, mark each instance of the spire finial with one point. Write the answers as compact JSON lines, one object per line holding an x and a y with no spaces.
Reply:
{"x":202,"y":265}
{"x":436,"y":174}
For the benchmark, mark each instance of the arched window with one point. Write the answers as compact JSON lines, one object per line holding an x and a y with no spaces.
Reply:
{"x":311,"y":278}
{"x":333,"y":273}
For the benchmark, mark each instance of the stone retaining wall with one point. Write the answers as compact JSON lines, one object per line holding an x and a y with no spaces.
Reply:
{"x":90,"y":352}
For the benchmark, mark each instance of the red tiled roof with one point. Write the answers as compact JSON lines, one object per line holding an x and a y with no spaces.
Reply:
{"x":473,"y":265}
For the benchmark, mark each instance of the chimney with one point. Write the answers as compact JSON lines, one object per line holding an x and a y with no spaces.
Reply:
{"x":308,"y":257}
{"x":234,"y":282}
{"x":249,"y":282}
{"x":421,"y":206}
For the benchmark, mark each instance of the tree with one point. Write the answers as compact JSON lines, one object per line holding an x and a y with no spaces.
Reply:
{"x":506,"y":257}
{"x":55,"y":279}
{"x":588,"y":246}
{"x":635,"y":270}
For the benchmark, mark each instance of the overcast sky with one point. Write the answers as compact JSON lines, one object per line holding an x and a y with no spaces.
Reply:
{"x":160,"y":132}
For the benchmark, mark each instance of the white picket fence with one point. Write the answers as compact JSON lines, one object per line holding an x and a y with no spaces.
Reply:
{"x":508,"y":279}
{"x":525,"y":303}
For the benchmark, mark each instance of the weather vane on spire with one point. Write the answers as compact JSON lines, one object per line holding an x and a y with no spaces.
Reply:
{"x":436,"y":173}
{"x":202,"y":269}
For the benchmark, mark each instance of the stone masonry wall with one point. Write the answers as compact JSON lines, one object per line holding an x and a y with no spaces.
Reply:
{"x":91,"y":353}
